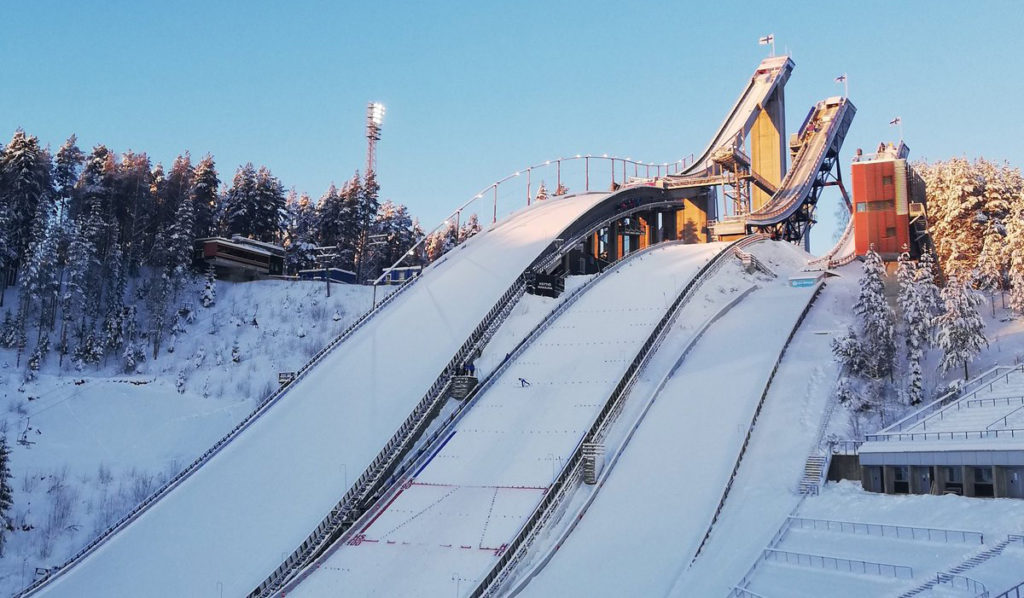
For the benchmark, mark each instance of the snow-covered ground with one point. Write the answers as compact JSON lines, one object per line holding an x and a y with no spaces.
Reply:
{"x":234,"y":520}
{"x":654,"y":507}
{"x":493,"y":469}
{"x":97,"y":442}
{"x":764,"y":492}
{"x":846,"y":501}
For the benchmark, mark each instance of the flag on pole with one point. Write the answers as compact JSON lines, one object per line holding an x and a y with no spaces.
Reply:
{"x":766,"y":40}
{"x":841,"y":78}
{"x":895,"y":121}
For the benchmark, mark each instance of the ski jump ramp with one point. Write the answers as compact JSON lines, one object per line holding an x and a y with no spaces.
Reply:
{"x":291,"y":465}
{"x":464,"y":505}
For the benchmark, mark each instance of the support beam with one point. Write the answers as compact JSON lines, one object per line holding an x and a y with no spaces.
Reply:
{"x":768,"y":146}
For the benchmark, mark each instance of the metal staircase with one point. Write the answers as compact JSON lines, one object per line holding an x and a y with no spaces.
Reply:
{"x":814,"y":473}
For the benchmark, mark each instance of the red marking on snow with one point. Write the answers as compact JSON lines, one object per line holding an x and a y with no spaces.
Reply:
{"x":438,"y":485}
{"x":463,"y":546}
{"x":386,"y":507}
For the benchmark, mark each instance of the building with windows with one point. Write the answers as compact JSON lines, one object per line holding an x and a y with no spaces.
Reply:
{"x":972,"y":445}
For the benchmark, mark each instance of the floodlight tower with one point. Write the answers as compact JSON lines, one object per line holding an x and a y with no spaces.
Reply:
{"x":374,"y":117}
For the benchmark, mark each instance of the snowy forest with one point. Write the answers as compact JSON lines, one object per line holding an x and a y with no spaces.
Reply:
{"x":100,"y":245}
{"x":975,"y":214}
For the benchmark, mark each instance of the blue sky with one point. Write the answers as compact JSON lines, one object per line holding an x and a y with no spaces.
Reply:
{"x":476,"y":90}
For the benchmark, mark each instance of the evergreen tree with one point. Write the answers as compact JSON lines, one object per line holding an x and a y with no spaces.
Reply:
{"x":542,"y":192}
{"x":67,"y":165}
{"x":208,"y":297}
{"x":204,"y":197}
{"x":470,"y":228}
{"x":240,"y":203}
{"x":269,"y":210}
{"x":960,"y":330}
{"x":328,"y":217}
{"x":6,"y":492}
{"x":917,"y":323}
{"x":25,"y":186}
{"x":876,"y":318}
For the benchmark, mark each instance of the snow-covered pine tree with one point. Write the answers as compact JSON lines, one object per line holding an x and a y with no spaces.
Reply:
{"x":241,"y":202}
{"x":850,"y":353}
{"x":25,"y":184}
{"x":917,"y":318}
{"x":67,"y":164}
{"x":960,"y":330}
{"x":542,"y":192}
{"x":560,"y":190}
{"x":35,"y":361}
{"x":6,"y":492}
{"x":208,"y":296}
{"x":876,"y":318}
{"x":204,"y":197}
{"x":268,"y":214}
{"x":470,"y":228}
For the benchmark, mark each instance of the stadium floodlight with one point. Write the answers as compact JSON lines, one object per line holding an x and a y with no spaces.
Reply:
{"x":377,"y":113}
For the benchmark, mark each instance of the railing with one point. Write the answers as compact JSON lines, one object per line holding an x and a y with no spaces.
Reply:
{"x":1004,"y":419}
{"x":902,"y":532}
{"x":977,"y":385}
{"x":502,"y":191}
{"x":571,"y":471}
{"x":952,"y":435}
{"x":992,"y":402}
{"x":260,"y":409}
{"x":845,"y":447}
{"x":753,"y":420}
{"x":838,"y":564}
{"x":1016,"y":591}
{"x":738,"y":592}
{"x":962,"y":582}
{"x":354,"y":501}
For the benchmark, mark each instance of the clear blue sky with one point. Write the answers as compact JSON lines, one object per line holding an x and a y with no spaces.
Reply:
{"x":476,"y":90}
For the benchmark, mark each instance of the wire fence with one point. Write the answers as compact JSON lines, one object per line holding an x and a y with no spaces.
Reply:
{"x":951,"y":435}
{"x":831,"y":563}
{"x":902,"y":532}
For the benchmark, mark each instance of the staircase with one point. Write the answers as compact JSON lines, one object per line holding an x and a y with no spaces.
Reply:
{"x":814,"y":472}
{"x":968,"y":564}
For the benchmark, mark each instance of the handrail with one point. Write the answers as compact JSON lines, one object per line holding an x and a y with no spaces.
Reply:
{"x":902,"y":532}
{"x":757,"y":412}
{"x":819,"y":561}
{"x":1005,"y":417}
{"x":951,"y":435}
{"x":962,"y":582}
{"x":1016,"y":591}
{"x":492,"y":189}
{"x":953,"y":396}
{"x":571,"y":471}
{"x":269,"y":401}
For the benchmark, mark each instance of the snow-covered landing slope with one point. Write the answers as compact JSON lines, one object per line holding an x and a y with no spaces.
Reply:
{"x":656,"y":504}
{"x":446,"y":528}
{"x":765,"y":490}
{"x":231,"y":523}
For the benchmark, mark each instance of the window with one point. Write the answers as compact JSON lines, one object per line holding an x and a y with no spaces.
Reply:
{"x":887,"y":180}
{"x":900,"y":473}
{"x":954,"y":474}
{"x":881,"y":206}
{"x":982,"y":475}
{"x":890,"y":231}
{"x":862,"y":207}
